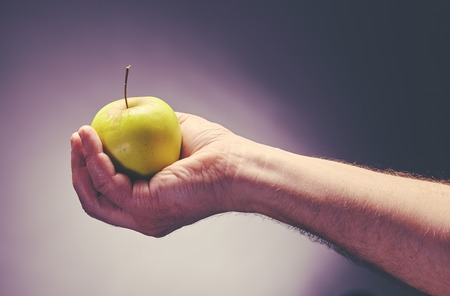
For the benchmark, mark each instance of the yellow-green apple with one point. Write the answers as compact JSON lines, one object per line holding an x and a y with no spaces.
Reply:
{"x":141,"y":135}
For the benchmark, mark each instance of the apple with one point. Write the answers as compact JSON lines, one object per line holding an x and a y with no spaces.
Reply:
{"x":141,"y":135}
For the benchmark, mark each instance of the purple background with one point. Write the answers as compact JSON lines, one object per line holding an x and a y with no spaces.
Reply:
{"x":365,"y":83}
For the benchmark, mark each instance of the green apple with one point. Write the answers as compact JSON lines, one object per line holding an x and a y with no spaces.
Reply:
{"x":141,"y":135}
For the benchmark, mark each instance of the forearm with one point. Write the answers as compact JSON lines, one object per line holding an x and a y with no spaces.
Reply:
{"x":399,"y":224}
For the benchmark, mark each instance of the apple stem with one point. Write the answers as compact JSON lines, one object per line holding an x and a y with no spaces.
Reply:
{"x":127,"y":70}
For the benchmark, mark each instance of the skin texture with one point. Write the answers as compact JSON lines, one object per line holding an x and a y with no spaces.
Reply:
{"x":400,"y":225}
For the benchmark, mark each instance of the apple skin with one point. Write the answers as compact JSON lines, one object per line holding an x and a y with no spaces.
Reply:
{"x":142,"y":139}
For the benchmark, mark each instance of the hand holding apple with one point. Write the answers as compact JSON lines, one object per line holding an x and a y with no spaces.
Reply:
{"x":199,"y":185}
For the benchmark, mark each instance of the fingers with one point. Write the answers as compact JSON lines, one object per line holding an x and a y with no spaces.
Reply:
{"x":96,"y":160}
{"x":80,"y":175}
{"x":117,"y":187}
{"x":88,"y":170}
{"x":104,"y":210}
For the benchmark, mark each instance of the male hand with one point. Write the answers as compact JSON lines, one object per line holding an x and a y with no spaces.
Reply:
{"x":195,"y":187}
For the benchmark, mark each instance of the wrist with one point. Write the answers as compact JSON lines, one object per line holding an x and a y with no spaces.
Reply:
{"x":265,"y":181}
{"x":279,"y":184}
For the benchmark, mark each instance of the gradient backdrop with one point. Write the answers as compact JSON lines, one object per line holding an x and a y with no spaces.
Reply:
{"x":365,"y":82}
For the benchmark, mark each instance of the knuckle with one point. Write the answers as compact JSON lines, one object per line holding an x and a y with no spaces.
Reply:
{"x":103,"y":184}
{"x":89,"y":208}
{"x":85,"y":200}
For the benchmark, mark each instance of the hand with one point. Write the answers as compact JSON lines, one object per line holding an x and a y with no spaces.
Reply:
{"x":195,"y":187}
